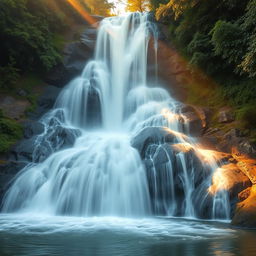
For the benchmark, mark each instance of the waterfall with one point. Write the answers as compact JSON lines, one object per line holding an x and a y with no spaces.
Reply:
{"x":124,"y":161}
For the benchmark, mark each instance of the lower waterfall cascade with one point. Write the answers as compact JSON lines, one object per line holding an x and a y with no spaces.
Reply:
{"x":132,"y":154}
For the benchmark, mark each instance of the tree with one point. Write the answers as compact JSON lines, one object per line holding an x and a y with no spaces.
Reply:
{"x":138,"y":5}
{"x":229,"y":43}
{"x":99,"y":7}
{"x":175,"y":6}
{"x":156,"y":3}
{"x":249,"y":25}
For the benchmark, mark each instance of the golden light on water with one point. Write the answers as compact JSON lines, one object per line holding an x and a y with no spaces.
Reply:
{"x":170,"y":116}
{"x":219,"y":181}
{"x":183,"y":147}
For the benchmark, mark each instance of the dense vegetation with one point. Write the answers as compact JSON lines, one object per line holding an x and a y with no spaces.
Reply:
{"x":219,"y":37}
{"x":30,"y":33}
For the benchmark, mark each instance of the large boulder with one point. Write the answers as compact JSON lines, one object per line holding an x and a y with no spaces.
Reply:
{"x":45,"y":102}
{"x":23,"y":151}
{"x":154,"y":135}
{"x":246,"y":165}
{"x":76,"y":54}
{"x":38,"y":148}
{"x":245,"y":213}
{"x":89,"y":37}
{"x":197,"y":119}
{"x":226,"y":116}
{"x":32,"y":128}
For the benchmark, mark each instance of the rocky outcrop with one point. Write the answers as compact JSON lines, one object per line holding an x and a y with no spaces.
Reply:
{"x":13,"y":108}
{"x":245,"y":214}
{"x":229,"y":177}
{"x":76,"y":54}
{"x":246,"y":165}
{"x":226,"y":116}
{"x":154,"y":135}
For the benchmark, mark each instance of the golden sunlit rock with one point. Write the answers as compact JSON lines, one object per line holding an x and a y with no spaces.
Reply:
{"x":183,"y":147}
{"x":229,"y":177}
{"x":245,"y":164}
{"x":245,"y":214}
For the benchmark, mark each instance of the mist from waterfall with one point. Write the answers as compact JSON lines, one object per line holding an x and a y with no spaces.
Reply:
{"x":114,"y":100}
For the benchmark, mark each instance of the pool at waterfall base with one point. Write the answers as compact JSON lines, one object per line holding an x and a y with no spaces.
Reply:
{"x":28,"y":235}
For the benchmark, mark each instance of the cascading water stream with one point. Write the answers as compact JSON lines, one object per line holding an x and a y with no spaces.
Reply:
{"x":105,"y":109}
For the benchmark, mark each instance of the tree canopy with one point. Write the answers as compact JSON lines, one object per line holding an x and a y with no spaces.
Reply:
{"x":138,"y":5}
{"x":30,"y":32}
{"x":227,"y":29}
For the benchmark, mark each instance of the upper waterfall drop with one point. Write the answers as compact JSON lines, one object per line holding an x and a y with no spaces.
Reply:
{"x":120,"y":65}
{"x":124,"y":160}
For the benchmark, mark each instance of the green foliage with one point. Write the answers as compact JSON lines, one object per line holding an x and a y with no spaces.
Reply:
{"x":219,"y":38}
{"x":9,"y":75}
{"x":99,"y":7}
{"x":230,"y":24}
{"x":10,"y":132}
{"x":31,"y":34}
{"x":249,"y":25}
{"x":229,"y":41}
{"x":247,"y":116}
{"x":26,"y":36}
{"x":138,"y":5}
{"x":156,"y":3}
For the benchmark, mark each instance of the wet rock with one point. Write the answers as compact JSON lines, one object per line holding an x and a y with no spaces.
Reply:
{"x":158,"y":154}
{"x":195,"y":125}
{"x":226,"y":116}
{"x":45,"y":102}
{"x":196,"y":118}
{"x":32,"y":128}
{"x":57,"y":138}
{"x":77,"y":54}
{"x":89,"y":37}
{"x":153,"y":135}
{"x":7,"y":173}
{"x":38,"y":148}
{"x":59,"y":76}
{"x":23,"y":151}
{"x":245,"y":213}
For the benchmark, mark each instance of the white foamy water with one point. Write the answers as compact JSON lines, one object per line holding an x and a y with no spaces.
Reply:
{"x":151,"y":227}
